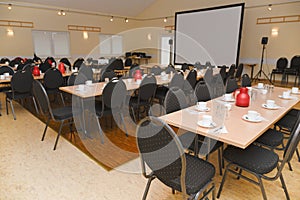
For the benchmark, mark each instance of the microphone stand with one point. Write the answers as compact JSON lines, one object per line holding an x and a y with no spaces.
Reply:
{"x":256,"y":77}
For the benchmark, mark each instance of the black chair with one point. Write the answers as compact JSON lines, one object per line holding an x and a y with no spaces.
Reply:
{"x":208,"y":75}
{"x":108,"y":74}
{"x":202,"y":92}
{"x":77,"y":64}
{"x":72,"y":78}
{"x":112,"y":102}
{"x":28,"y":67}
{"x":176,"y":81}
{"x":144,"y":98}
{"x":44,"y":67}
{"x":87,"y":71}
{"x":156,"y":70}
{"x":185,"y":67}
{"x":231,"y":85}
{"x":231,"y":71}
{"x":176,"y":100}
{"x":6,"y":69}
{"x":53,"y":79}
{"x":294,"y":70}
{"x":259,"y":161}
{"x":21,"y":85}
{"x":223,"y":74}
{"x":239,"y":72}
{"x":61,"y":114}
{"x":281,"y":65}
{"x":191,"y":79}
{"x":128,"y":62}
{"x":169,"y":69}
{"x":4,"y":61}
{"x":246,"y":81}
{"x":51,"y":61}
{"x":163,"y":153}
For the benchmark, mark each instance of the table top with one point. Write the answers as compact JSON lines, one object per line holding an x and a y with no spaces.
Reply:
{"x":240,"y":132}
{"x":96,"y":89}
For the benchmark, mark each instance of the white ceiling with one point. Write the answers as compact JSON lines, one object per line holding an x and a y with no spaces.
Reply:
{"x":130,"y":8}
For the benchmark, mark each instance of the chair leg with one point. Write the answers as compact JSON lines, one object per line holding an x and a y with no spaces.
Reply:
{"x":290,"y":166}
{"x":284,"y":187}
{"x":222,"y":183}
{"x":35,"y":106}
{"x":220,"y":160}
{"x":47,"y":124}
{"x":147,"y":187}
{"x":58,"y":134}
{"x":62,"y":98}
{"x":298,"y":155}
{"x":133,"y":114}
{"x":260,"y":183}
{"x":12,"y":109}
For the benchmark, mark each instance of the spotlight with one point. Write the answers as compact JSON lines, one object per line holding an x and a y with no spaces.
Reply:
{"x":270,"y":7}
{"x":10,"y":32}
{"x":9,"y":7}
{"x":112,"y":18}
{"x":59,"y":12}
{"x":165,"y":19}
{"x":63,"y":13}
{"x":85,"y":35}
{"x":126,"y":20}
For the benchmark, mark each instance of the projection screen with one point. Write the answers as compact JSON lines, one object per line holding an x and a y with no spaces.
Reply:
{"x":210,"y":34}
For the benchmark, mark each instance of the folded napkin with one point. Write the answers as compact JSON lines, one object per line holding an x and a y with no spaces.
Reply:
{"x":220,"y":129}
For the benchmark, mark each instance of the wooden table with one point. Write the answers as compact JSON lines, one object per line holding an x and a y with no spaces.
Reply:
{"x":241,"y":133}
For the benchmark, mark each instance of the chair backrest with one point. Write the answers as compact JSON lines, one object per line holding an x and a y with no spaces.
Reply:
{"x":208,"y":75}
{"x":184,"y":67}
{"x":53,"y":79}
{"x":231,"y":85}
{"x":87,"y":71}
{"x":113,"y":95}
{"x":295,"y":62}
{"x":246,"y":81}
{"x":6,"y":69}
{"x":108,"y":74}
{"x":202,"y":92}
{"x":156,"y":70}
{"x":147,"y":88}
{"x":42,"y":99}
{"x":175,"y":100}
{"x":51,"y":60}
{"x":78,"y":62}
{"x":177,"y":81}
{"x":4,"y":60}
{"x":21,"y":82}
{"x":161,"y":150}
{"x":28,"y":67}
{"x":170,"y":69}
{"x":128,"y":62}
{"x":72,"y":78}
{"x":231,"y":70}
{"x":281,"y":64}
{"x":191,"y":79}
{"x":239,"y":71}
{"x":223,"y":73}
{"x":44,"y":67}
{"x":116,"y":64}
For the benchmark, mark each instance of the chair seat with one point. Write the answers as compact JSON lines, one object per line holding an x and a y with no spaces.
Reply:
{"x":135,"y":103}
{"x":271,"y":138}
{"x":198,"y":173}
{"x":253,"y":158}
{"x":17,"y":95}
{"x":62,"y":113}
{"x":287,"y":122}
{"x":277,"y":71}
{"x":293,"y":112}
{"x":161,"y":92}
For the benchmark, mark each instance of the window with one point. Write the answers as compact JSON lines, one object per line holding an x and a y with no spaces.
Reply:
{"x":111,"y":45}
{"x":165,"y":50}
{"x":49,"y":43}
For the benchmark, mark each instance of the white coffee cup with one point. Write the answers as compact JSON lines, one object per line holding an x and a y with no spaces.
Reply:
{"x":6,"y":74}
{"x":295,"y":90}
{"x":260,"y":85}
{"x":270,"y":103}
{"x":253,"y":115}
{"x":129,"y":80}
{"x":201,"y":105}
{"x":138,"y":81}
{"x":81,"y":87}
{"x":88,"y":82}
{"x":286,"y":94}
{"x":227,"y":97}
{"x":2,"y":77}
{"x":264,"y":91}
{"x":163,"y":73}
{"x":206,"y":120}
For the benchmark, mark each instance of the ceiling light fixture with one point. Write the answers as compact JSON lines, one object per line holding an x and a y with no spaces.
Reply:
{"x":270,"y":7}
{"x":9,"y":7}
{"x":126,"y":20}
{"x":10,"y":32}
{"x":61,"y":12}
{"x":165,"y":19}
{"x":85,"y":35}
{"x":112,"y":18}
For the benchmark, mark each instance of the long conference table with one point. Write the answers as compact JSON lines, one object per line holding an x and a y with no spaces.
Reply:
{"x":234,"y":130}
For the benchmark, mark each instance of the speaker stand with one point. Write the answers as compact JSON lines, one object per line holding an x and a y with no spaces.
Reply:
{"x":258,"y":75}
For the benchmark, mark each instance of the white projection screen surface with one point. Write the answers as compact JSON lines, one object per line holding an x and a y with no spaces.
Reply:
{"x":210,"y":34}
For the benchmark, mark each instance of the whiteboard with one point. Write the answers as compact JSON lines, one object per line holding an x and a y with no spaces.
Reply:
{"x":51,"y":43}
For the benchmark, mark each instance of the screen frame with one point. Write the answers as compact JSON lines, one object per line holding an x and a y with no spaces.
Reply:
{"x":242,"y":5}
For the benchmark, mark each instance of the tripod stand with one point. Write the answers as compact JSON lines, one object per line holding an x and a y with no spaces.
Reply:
{"x":256,"y":77}
{"x":170,"y":58}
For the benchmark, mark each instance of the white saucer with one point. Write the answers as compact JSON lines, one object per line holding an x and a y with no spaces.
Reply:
{"x":202,"y":110}
{"x":289,"y":97}
{"x":80,"y":90}
{"x":271,"y":108}
{"x":246,"y":118}
{"x":295,"y":92}
{"x":228,"y":100}
{"x":211,"y":125}
{"x":256,"y":87}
